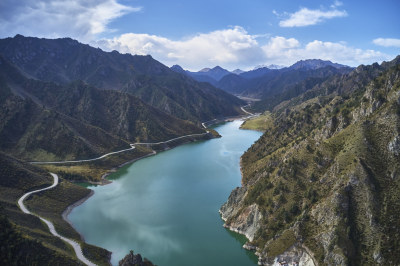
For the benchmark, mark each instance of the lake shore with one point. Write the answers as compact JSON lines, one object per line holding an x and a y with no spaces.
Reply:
{"x":224,"y":158}
{"x":68,"y":210}
{"x":105,"y":181}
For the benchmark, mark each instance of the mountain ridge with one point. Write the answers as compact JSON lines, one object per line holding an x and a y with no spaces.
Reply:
{"x":65,"y":60}
{"x":82,"y":121}
{"x":322,"y":182}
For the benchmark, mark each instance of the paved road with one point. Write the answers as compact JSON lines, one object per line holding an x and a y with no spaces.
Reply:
{"x":115,"y":152}
{"x":74,"y":244}
{"x":53,"y":231}
{"x":251,"y":114}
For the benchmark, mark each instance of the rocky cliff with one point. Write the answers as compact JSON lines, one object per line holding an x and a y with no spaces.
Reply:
{"x":134,"y":260}
{"x":321,"y":185}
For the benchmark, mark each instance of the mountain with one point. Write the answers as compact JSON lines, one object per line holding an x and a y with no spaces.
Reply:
{"x":209,"y":75}
{"x":216,"y":73}
{"x":273,"y":66}
{"x":321,"y":184}
{"x":256,"y":73}
{"x":238,"y":71}
{"x":265,"y":83}
{"x":233,"y":84}
{"x":315,"y":64}
{"x":178,"y":69}
{"x":46,"y":121}
{"x":63,"y":61}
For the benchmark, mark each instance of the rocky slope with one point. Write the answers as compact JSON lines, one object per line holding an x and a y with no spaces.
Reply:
{"x":46,"y":121}
{"x":63,"y":61}
{"x":325,"y":175}
{"x":134,"y":260}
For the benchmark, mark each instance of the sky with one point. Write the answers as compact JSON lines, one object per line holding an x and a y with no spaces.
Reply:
{"x":232,"y":34}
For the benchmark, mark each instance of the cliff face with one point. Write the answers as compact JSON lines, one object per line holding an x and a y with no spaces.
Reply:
{"x":324,"y":178}
{"x":241,"y":219}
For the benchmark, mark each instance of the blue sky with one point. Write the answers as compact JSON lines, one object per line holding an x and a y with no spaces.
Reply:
{"x":232,"y":34}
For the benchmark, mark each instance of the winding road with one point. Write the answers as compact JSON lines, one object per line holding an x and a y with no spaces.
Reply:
{"x":131,"y":148}
{"x":247,"y":112}
{"x":76,"y":246}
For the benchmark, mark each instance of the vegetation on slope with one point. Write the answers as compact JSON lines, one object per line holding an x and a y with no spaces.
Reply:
{"x":65,"y":60}
{"x":259,"y":123}
{"x":325,"y":174}
{"x":25,"y":234}
{"x":44,"y":121}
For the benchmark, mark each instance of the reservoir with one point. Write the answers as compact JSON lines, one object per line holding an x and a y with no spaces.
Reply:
{"x":165,"y":207}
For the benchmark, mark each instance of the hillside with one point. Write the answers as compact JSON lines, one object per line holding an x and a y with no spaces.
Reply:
{"x":321,"y":185}
{"x":264,"y":84}
{"x":46,"y":121}
{"x":25,"y":240}
{"x":63,"y":61}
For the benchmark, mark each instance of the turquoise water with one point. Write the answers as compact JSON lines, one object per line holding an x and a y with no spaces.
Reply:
{"x":165,"y":207}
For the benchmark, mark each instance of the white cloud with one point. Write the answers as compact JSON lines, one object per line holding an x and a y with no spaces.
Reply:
{"x":307,"y":17}
{"x":336,"y":4}
{"x":387,"y":42}
{"x":236,"y":48}
{"x":229,"y":47}
{"x":333,"y":51}
{"x":80,"y":19}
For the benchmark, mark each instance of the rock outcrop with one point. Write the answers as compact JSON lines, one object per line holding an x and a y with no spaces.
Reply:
{"x":134,"y":260}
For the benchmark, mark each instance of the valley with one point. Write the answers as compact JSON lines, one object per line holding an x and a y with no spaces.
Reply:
{"x":312,"y":169}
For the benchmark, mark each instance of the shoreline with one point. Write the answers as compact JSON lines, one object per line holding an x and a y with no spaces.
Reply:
{"x":105,"y":181}
{"x":69,"y":209}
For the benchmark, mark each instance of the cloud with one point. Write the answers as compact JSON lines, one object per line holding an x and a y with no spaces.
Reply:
{"x":229,"y":47}
{"x":336,"y":4}
{"x":307,"y":17}
{"x":334,"y":51}
{"x":79,"y":19}
{"x":387,"y":42}
{"x":235,"y":47}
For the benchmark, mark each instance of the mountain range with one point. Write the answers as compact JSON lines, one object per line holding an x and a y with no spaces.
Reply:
{"x":269,"y":84}
{"x":320,"y":186}
{"x":61,"y":99}
{"x":63,"y":61}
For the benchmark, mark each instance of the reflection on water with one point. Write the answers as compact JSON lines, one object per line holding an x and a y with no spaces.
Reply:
{"x":166,"y":206}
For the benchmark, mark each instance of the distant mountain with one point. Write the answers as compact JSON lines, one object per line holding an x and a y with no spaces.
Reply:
{"x":210,"y":75}
{"x":315,"y":64}
{"x":45,"y":121}
{"x":238,"y":71}
{"x":216,"y":73}
{"x":275,"y":85}
{"x":234,"y":84}
{"x":178,"y":69}
{"x":258,"y":72}
{"x":65,"y":60}
{"x":271,"y":66}
{"x":264,"y":83}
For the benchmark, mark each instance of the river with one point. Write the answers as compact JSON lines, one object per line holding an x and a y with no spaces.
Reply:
{"x":165,"y":207}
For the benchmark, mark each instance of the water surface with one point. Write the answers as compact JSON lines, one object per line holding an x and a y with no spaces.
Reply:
{"x":165,"y":207}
